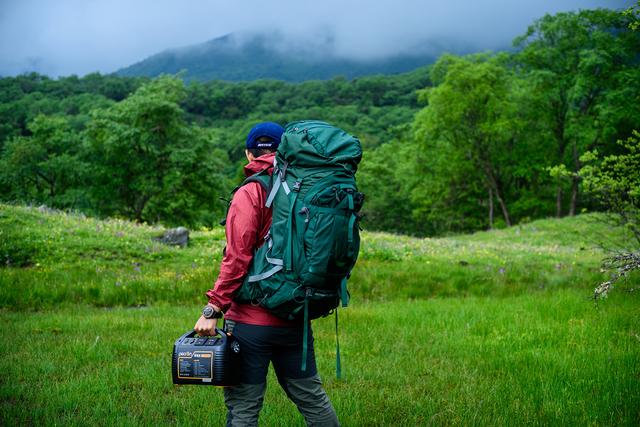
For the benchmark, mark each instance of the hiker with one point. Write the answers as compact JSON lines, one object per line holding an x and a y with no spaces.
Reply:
{"x":263,"y":337}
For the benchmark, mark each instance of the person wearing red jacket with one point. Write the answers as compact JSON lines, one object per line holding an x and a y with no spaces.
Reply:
{"x":263,"y":337}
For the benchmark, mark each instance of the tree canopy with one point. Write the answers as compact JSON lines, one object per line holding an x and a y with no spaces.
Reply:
{"x":466,"y":144}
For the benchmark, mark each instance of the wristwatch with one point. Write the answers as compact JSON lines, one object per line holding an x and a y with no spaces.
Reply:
{"x":209,"y":313}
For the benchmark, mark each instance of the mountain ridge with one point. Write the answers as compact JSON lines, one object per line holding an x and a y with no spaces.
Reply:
{"x":248,"y":57}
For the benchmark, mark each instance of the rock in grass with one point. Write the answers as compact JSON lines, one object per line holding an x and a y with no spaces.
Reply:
{"x":175,"y":237}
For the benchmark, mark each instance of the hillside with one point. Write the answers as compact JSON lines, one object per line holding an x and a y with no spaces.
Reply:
{"x":53,"y":258}
{"x":236,"y":58}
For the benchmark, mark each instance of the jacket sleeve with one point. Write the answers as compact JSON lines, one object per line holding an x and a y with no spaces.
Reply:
{"x":242,"y":232}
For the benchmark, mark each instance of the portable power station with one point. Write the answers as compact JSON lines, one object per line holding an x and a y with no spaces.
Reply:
{"x":206,"y":360}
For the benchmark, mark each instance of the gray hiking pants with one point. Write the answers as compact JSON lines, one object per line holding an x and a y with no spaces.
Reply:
{"x":245,"y":401}
{"x":261,"y":345}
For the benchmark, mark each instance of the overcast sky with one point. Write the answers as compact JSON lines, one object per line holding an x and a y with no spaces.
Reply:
{"x":62,"y":37}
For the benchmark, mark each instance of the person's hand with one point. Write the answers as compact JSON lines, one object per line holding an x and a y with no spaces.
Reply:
{"x":206,"y":327}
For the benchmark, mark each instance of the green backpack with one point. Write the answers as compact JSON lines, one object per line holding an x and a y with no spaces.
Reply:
{"x":302,"y":268}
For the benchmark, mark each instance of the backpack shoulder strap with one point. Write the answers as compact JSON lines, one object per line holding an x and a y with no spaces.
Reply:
{"x":263,"y":178}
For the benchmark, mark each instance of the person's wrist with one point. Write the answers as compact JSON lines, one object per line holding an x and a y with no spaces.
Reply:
{"x":215,"y":307}
{"x":211,"y":311}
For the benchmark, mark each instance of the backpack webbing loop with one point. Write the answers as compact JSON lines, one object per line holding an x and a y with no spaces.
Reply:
{"x":352,"y":223}
{"x":274,"y":261}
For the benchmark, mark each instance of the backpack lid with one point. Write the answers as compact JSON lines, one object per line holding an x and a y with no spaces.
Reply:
{"x":312,"y":143}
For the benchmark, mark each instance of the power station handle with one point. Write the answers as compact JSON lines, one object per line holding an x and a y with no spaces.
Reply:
{"x":192,"y":333}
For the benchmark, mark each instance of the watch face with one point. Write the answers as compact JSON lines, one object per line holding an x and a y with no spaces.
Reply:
{"x":208,"y":312}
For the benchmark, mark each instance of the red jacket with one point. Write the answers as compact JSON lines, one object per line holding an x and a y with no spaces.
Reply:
{"x":248,"y":222}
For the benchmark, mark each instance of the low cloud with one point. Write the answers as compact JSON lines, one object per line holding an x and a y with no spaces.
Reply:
{"x":81,"y":36}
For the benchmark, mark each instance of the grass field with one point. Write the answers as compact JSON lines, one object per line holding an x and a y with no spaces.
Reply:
{"x":494,"y":328}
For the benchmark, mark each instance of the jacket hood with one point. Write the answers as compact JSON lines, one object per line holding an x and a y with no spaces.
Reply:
{"x":261,"y":163}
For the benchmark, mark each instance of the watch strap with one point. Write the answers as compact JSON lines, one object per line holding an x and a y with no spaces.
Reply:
{"x":207,"y":313}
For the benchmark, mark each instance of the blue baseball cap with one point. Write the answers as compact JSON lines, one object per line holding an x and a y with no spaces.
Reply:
{"x":270,"y":130}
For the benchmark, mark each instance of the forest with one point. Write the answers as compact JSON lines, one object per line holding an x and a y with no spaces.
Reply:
{"x":469,"y":143}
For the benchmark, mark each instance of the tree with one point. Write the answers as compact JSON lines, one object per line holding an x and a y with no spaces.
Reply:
{"x":615,"y":182}
{"x":386,"y":178}
{"x":470,"y":121}
{"x":582,"y":62}
{"x":633,"y":13}
{"x":46,"y":166}
{"x":150,"y":164}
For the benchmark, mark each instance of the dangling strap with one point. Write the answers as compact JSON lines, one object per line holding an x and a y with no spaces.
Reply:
{"x":338,"y":364}
{"x":344,"y":295}
{"x":305,"y":332}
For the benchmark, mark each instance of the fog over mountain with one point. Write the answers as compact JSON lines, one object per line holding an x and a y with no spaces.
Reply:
{"x":80,"y":36}
{"x":248,"y":56}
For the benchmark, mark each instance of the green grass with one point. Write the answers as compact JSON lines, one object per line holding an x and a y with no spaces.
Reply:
{"x":523,"y":360}
{"x":494,"y":328}
{"x":66,"y":258}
